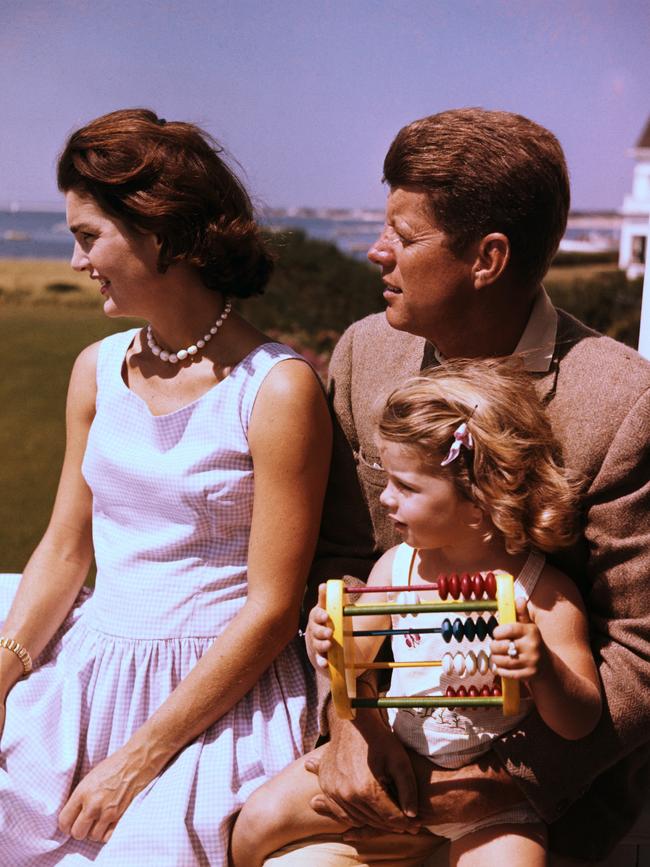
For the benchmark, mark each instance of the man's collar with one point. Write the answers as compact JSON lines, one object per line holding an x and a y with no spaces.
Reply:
{"x":537,"y":342}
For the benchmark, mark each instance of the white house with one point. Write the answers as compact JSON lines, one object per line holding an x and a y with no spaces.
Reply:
{"x":635,"y":227}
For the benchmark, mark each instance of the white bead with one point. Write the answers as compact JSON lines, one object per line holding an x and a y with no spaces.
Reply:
{"x":213,"y":330}
{"x":459,"y":663}
{"x":192,"y":349}
{"x":156,"y":350}
{"x":200,"y":343}
{"x":470,"y":663}
{"x":164,"y":355}
{"x":173,"y":358}
{"x":219,"y":323}
{"x":482,"y":662}
{"x":447,"y":663}
{"x":207,"y":337}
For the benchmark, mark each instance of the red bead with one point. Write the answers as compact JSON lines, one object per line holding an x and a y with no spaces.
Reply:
{"x":479,"y":585}
{"x":466,"y":586}
{"x":496,"y":690}
{"x":486,"y":691}
{"x":462,"y":692}
{"x":443,"y":590}
{"x":454,"y":586}
{"x":472,"y":692}
{"x":450,"y":692}
{"x":491,"y":585}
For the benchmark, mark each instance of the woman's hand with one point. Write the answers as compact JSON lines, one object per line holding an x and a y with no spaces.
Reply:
{"x":318,"y":636}
{"x":526,"y":639}
{"x":101,"y":798}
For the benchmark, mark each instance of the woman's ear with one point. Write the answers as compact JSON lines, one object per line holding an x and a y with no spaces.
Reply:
{"x":493,"y":256}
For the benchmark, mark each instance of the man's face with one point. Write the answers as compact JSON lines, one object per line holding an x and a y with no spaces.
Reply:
{"x":427,"y":287}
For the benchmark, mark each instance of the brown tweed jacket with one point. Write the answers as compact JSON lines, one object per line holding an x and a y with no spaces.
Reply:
{"x":597,"y":394}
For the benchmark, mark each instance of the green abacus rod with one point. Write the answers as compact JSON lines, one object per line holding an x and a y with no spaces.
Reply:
{"x":420,"y":608}
{"x":429,"y":701}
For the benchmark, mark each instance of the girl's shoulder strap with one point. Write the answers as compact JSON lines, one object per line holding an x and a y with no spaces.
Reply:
{"x":403,"y":565}
{"x":529,"y":575}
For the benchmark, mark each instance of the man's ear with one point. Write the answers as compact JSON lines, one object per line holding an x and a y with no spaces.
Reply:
{"x":492,"y":258}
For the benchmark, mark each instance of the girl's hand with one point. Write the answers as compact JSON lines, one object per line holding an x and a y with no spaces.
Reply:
{"x":101,"y":798}
{"x":526,"y":639}
{"x":319,"y":632}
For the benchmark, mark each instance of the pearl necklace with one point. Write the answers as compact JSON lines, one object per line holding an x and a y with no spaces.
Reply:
{"x":182,"y":354}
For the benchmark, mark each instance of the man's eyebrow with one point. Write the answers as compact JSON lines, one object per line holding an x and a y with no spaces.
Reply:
{"x":77,"y":227}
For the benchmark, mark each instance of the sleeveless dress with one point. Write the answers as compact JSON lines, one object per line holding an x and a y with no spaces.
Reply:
{"x":172,"y":506}
{"x":451,"y":737}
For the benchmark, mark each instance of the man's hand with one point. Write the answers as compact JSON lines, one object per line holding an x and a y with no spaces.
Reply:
{"x":365,"y":773}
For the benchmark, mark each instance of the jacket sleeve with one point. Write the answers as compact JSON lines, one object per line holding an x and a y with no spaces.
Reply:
{"x":601,"y":775}
{"x":346,"y":545}
{"x":346,"y":541}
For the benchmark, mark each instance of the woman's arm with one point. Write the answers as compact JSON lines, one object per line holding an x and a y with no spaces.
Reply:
{"x":554,"y":656}
{"x":59,"y":565}
{"x":290,"y":443}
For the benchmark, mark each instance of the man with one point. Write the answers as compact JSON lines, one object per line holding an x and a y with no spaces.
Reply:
{"x":478,"y":204}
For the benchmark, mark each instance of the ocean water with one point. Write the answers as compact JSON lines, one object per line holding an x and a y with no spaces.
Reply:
{"x":44,"y":234}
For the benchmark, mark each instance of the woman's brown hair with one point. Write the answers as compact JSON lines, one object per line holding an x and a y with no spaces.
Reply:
{"x":169,"y":178}
{"x":513,"y":473}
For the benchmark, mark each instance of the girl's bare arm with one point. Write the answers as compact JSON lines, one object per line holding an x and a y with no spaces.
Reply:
{"x":554,"y":656}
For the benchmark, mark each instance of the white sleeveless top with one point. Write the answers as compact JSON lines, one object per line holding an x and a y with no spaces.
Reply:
{"x":172,"y":508}
{"x":452,"y":737}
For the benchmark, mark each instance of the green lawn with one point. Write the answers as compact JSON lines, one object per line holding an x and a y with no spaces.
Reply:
{"x":40,"y":344}
{"x":48,"y":314}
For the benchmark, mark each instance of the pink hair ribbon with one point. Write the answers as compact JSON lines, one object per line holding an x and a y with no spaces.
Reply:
{"x":462,"y":437}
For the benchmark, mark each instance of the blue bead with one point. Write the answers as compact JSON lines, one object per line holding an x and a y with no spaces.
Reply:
{"x":492,"y":625}
{"x":481,"y":629}
{"x":470,"y":629}
{"x":446,"y":630}
{"x":458,"y":629}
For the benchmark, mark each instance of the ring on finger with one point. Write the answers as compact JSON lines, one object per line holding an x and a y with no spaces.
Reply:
{"x":512,"y":651}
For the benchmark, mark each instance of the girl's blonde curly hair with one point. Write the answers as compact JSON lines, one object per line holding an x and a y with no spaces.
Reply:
{"x":513,"y":474}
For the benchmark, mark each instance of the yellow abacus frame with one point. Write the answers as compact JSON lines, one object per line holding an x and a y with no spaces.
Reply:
{"x":342,"y":665}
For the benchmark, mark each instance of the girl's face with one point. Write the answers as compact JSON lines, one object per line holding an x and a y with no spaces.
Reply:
{"x":121,"y":260}
{"x":427,"y":510}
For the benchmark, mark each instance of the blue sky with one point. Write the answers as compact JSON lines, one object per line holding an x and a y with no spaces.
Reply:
{"x":307,"y":94}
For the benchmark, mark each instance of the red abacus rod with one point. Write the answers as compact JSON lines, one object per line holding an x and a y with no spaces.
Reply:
{"x":390,"y":588}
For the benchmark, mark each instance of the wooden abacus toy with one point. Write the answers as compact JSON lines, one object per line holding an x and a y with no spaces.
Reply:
{"x":492,"y":591}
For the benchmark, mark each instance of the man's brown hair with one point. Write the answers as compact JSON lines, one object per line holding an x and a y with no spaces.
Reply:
{"x":487,"y":171}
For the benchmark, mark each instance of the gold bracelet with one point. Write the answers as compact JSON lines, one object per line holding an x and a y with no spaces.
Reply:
{"x":21,"y":652}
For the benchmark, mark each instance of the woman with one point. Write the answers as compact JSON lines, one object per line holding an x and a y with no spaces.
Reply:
{"x":196,"y":461}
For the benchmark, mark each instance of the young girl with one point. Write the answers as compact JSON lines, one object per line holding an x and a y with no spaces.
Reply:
{"x":473,"y":485}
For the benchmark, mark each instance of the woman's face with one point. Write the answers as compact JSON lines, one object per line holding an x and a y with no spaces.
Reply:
{"x":123,"y":261}
{"x":427,"y":287}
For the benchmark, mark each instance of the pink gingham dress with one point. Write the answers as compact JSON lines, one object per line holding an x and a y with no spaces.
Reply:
{"x":172,"y":506}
